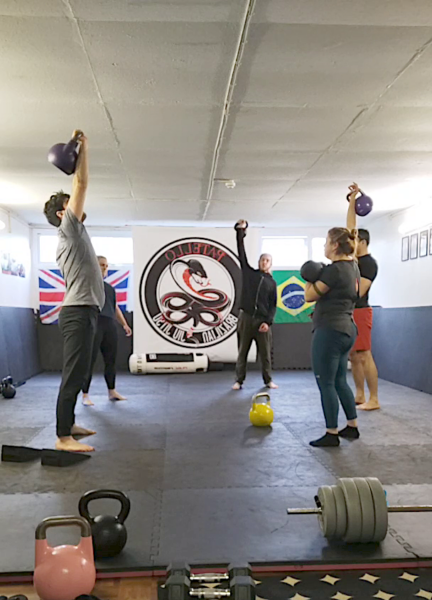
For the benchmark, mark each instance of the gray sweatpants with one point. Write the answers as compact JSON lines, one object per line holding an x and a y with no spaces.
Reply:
{"x":247,"y":331}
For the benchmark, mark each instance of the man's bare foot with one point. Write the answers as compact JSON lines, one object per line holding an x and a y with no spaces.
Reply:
{"x":360,"y":400}
{"x":369,"y":406}
{"x":114,"y":395}
{"x":70,"y":445}
{"x":77,"y":430}
{"x":237,"y":386}
{"x":272,"y":385}
{"x":86,"y":400}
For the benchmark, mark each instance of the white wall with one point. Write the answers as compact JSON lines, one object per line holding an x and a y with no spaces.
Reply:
{"x":399,"y":284}
{"x":15,"y":239}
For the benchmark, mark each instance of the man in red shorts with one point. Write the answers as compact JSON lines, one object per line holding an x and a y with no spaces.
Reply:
{"x":363,"y":364}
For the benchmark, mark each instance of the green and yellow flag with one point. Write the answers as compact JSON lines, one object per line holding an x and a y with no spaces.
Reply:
{"x":291,"y":304}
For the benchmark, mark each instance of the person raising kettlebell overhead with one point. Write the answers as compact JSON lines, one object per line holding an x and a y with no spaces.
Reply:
{"x":257,"y":311}
{"x":363,"y":364}
{"x":84,"y":298}
{"x":334,"y":333}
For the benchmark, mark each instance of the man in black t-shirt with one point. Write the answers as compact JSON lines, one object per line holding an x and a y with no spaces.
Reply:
{"x":363,"y":364}
{"x":258,"y":308}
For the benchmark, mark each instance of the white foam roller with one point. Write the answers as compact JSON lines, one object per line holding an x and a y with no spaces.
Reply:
{"x":192,"y":362}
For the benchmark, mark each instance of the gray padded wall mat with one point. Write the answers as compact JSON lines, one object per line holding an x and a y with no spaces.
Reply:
{"x":18,"y":343}
{"x":402,"y":346}
{"x":51,"y":348}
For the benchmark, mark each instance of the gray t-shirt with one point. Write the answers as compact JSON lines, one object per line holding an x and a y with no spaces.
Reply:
{"x":79,"y":265}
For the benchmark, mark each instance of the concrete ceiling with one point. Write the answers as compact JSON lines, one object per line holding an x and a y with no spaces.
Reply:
{"x":325,"y":93}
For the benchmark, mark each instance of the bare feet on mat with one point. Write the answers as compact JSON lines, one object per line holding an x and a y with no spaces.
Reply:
{"x":114,"y":395}
{"x":70,"y":445}
{"x":77,"y":430}
{"x":371,"y":405}
{"x":272,"y":385}
{"x":237,"y":386}
{"x":86,"y":400}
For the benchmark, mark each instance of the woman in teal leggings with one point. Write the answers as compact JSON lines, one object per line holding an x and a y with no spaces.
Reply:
{"x":335,"y":294}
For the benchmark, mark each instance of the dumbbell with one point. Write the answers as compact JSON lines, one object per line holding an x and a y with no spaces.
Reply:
{"x":354,"y":510}
{"x":178,"y":585}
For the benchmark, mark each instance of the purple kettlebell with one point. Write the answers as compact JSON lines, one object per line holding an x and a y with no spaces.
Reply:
{"x":363,"y":204}
{"x":65,"y":156}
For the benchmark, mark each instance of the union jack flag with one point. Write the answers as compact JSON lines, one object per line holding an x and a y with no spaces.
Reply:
{"x":52,"y":291}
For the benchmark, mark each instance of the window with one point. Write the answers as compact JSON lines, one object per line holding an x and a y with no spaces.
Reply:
{"x":318,"y":249}
{"x":47,"y":248}
{"x":118,"y":250}
{"x":286,"y":251}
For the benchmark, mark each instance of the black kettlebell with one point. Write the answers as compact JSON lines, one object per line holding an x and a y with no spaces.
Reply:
{"x":108,"y":532}
{"x":7,"y":388}
{"x":237,"y":225}
{"x":311,"y":271}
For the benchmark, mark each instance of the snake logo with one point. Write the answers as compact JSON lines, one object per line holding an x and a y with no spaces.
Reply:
{"x":189,"y":292}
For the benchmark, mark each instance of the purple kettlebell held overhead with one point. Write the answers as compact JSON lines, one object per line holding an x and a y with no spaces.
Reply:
{"x":363,"y":204}
{"x":65,"y":156}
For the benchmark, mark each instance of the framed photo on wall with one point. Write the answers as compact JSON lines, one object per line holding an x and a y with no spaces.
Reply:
{"x":405,"y":248}
{"x":424,"y":238}
{"x":414,"y":246}
{"x":430,"y":240}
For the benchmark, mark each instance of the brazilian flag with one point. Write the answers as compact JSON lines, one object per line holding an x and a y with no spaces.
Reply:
{"x":291,"y":304}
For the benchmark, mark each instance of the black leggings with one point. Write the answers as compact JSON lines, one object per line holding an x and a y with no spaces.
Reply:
{"x":106,"y":341}
{"x":330,"y":350}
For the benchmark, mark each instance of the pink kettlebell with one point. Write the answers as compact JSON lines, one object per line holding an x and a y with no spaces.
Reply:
{"x":64,"y":572}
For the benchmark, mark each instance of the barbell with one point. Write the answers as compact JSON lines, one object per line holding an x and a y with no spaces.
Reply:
{"x":355,"y":510}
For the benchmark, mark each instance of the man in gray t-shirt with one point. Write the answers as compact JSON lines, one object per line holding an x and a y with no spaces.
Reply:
{"x":84,"y":298}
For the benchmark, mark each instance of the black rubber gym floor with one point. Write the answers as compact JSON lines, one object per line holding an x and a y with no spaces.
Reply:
{"x":205,"y":486}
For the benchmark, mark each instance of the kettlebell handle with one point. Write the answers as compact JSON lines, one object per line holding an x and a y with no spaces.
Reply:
{"x":265,"y":395}
{"x":84,"y":525}
{"x":361,"y":194}
{"x":110,"y":494}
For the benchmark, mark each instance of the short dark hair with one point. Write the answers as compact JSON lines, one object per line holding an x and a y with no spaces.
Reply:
{"x":364,"y":235}
{"x":55,"y":204}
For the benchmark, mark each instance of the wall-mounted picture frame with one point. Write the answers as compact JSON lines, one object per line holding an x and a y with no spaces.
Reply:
{"x":414,"y":239}
{"x":430,"y":240}
{"x":405,"y":248}
{"x":424,"y":239}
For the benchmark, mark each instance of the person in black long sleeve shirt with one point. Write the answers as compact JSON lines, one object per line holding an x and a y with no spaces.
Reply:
{"x":258,"y":308}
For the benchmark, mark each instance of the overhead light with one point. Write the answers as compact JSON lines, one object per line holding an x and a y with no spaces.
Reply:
{"x":229,"y":183}
{"x":2,"y":224}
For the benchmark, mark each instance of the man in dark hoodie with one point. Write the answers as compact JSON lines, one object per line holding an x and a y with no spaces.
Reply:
{"x":258,"y":308}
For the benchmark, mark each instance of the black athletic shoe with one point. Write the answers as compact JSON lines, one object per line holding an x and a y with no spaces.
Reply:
{"x":349,"y":433}
{"x":328,"y":440}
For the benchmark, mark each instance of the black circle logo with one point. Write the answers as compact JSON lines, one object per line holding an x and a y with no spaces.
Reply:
{"x":189,"y":292}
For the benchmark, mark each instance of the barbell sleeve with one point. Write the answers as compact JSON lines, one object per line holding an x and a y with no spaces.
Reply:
{"x":391,"y":509}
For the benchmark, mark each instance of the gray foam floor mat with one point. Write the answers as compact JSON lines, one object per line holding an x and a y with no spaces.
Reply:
{"x":205,"y":486}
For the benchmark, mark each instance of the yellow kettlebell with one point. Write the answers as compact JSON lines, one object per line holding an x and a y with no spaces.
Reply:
{"x":261,"y":414}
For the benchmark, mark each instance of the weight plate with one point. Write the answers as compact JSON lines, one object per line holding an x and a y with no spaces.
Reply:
{"x":327,"y":518}
{"x":354,"y":513}
{"x":341,"y":512}
{"x":367,"y":508}
{"x":380,"y":506}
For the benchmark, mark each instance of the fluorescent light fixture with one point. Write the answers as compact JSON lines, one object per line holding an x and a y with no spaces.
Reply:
{"x":2,"y":224}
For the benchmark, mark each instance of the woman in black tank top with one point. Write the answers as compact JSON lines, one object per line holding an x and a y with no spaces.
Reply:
{"x":106,"y":339}
{"x":334,"y":333}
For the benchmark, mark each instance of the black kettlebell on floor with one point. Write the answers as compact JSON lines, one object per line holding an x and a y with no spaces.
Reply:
{"x":311,"y":271}
{"x":7,"y":388}
{"x":108,"y":532}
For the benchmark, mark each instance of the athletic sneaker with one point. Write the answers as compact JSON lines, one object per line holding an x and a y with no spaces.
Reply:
{"x":349,"y":433}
